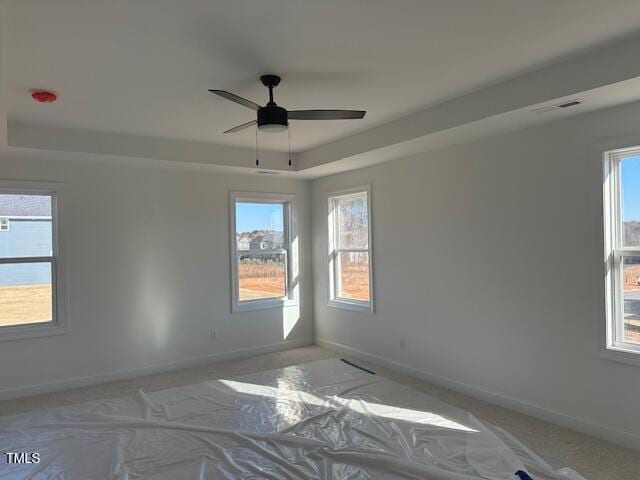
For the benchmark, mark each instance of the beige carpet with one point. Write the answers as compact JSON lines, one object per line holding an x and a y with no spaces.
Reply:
{"x":593,"y":458}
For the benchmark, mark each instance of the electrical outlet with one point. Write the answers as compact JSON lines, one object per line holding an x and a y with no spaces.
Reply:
{"x":403,"y":343}
{"x":214,"y":336}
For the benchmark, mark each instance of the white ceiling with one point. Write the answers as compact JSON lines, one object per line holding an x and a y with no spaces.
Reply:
{"x":143,"y":67}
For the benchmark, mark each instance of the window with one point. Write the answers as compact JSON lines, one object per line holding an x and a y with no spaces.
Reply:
{"x":29,"y":290}
{"x":349,"y":240}
{"x":622,"y":244}
{"x":263,"y":266}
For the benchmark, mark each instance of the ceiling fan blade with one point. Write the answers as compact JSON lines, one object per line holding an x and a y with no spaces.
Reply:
{"x":241,"y":127}
{"x":325,"y":114}
{"x":235,"y":98}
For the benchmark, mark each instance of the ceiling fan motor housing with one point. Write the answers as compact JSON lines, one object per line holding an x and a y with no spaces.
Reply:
{"x":272,"y":118}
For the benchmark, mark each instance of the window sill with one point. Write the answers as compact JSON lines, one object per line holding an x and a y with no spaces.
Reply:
{"x":622,"y":354}
{"x":353,"y":306}
{"x":253,"y":305}
{"x":34,"y":330}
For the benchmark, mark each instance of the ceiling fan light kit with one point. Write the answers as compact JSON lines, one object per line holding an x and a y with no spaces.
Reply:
{"x":272,"y":119}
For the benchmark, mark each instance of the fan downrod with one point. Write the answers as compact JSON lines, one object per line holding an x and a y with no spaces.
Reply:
{"x":270,"y":81}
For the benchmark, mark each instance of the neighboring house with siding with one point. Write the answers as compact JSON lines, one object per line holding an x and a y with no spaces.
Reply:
{"x":270,"y":241}
{"x":258,"y":243}
{"x":243,"y":242}
{"x":25,"y":231}
{"x":274,"y":240}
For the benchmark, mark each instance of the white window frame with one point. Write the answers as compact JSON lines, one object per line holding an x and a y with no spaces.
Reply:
{"x":59,"y":322}
{"x":332,"y":277}
{"x":290,"y":251}
{"x":615,"y":347}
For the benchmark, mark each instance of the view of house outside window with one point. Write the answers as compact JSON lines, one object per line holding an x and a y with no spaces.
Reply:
{"x":26,"y":259}
{"x":630,"y":217}
{"x":261,"y":251}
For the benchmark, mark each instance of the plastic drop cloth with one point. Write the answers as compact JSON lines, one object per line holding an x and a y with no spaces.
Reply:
{"x":322,"y":420}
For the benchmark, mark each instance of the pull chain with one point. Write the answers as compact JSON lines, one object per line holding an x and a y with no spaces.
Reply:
{"x":289,"y":130}
{"x":257,"y":161}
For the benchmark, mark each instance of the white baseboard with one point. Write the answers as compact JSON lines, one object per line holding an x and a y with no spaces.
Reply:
{"x":149,"y":370}
{"x":620,"y":437}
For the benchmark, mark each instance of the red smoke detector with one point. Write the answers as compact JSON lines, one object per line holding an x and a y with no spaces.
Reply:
{"x":42,"y":96}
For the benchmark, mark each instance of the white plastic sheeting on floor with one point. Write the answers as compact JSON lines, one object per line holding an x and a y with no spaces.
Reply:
{"x":322,"y":420}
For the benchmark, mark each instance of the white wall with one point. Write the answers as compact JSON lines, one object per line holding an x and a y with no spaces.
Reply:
{"x":148,"y":262}
{"x":488,"y":261}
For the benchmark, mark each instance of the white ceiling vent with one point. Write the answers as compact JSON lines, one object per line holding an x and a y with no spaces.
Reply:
{"x":558,"y":106}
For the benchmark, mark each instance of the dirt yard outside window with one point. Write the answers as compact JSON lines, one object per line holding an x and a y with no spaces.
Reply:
{"x":632,"y":303}
{"x":260,"y":280}
{"x":22,"y":304}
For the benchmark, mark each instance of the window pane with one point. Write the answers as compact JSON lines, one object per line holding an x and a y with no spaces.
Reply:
{"x":354,"y":275}
{"x":259,"y":226}
{"x":261,"y":276}
{"x":631,"y":293}
{"x":25,"y":293}
{"x":353,"y":221}
{"x":630,"y":199}
{"x":25,"y":226}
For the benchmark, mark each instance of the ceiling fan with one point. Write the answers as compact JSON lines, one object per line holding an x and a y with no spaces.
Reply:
{"x":273,"y":118}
